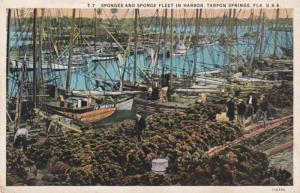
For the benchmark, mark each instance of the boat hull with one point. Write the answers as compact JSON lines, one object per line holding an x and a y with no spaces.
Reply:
{"x":103,"y":58}
{"x":179,"y":52}
{"x":18,"y":65}
{"x":125,"y":105}
{"x":91,"y":116}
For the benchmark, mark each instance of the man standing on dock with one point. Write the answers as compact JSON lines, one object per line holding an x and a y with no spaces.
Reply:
{"x":255,"y":106}
{"x":251,"y":107}
{"x":241,"y":110}
{"x":140,"y":126}
{"x":21,"y":138}
{"x":230,"y":109}
{"x":264,"y":107}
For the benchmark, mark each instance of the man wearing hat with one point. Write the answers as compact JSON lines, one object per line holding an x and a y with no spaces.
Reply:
{"x":241,"y":110}
{"x":230,"y":109}
{"x":140,"y":125}
{"x":264,"y":107}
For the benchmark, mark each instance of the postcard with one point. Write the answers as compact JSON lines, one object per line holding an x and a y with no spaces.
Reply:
{"x":149,"y":96}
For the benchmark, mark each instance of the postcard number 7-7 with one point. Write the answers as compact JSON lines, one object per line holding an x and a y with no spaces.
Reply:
{"x":91,"y":4}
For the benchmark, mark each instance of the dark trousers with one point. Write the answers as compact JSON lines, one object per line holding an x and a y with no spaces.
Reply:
{"x":139,"y":135}
{"x":230,"y":116}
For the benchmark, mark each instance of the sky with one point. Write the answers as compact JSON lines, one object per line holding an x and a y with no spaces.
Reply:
{"x":179,"y":13}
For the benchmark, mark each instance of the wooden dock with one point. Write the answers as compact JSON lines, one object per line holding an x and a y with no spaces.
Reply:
{"x":251,"y":132}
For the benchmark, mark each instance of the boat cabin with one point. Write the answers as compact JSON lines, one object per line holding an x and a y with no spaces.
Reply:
{"x":78,"y":102}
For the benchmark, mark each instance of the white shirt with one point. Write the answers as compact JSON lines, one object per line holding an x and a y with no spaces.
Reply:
{"x":138,"y":117}
{"x":20,"y":132}
{"x":250,"y":100}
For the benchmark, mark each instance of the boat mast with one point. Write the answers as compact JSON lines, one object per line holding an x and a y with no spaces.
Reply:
{"x":40,"y":63}
{"x":135,"y":44}
{"x":235,"y":21}
{"x":35,"y":79}
{"x":276,"y":32}
{"x":70,"y":51}
{"x":198,"y":18}
{"x":262,"y":36}
{"x":230,"y":36}
{"x":95,"y":29}
{"x":251,"y":16}
{"x":229,"y":25}
{"x":165,"y":43}
{"x":19,"y":98}
{"x":256,"y":42}
{"x":171,"y":65}
{"x":8,"y":48}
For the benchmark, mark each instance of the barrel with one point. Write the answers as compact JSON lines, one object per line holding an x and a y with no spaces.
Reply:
{"x":159,"y":165}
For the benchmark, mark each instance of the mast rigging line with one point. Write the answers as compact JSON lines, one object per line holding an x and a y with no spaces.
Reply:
{"x":125,"y":52}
